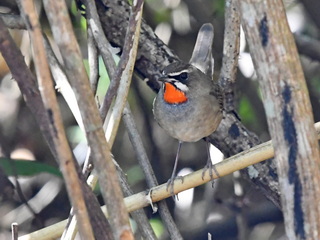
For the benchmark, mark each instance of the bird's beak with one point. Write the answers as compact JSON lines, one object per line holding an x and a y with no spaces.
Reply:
{"x":163,"y":79}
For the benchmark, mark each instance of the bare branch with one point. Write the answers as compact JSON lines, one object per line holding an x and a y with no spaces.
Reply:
{"x":14,"y":231}
{"x":148,"y":171}
{"x":26,"y":82}
{"x":289,"y":114}
{"x":124,"y":71}
{"x":231,"y":45}
{"x":61,"y":26}
{"x":93,"y":59}
{"x":98,"y":221}
{"x":50,"y":102}
{"x":95,"y":28}
{"x":139,"y":215}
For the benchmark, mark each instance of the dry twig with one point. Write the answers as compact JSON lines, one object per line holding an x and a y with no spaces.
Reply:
{"x":61,"y":26}
{"x":14,"y":231}
{"x":50,"y":103}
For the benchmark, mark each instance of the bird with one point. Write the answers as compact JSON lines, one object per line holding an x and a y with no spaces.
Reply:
{"x":189,"y":107}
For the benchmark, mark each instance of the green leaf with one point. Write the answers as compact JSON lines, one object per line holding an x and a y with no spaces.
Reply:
{"x":246,"y":112}
{"x":157,"y":227}
{"x":27,"y":168}
{"x":135,"y":175}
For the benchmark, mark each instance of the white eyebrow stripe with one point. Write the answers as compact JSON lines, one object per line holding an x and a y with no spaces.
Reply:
{"x":178,"y":73}
{"x":181,"y":86}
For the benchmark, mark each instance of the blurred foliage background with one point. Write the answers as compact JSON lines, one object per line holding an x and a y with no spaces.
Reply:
{"x":233,"y":209}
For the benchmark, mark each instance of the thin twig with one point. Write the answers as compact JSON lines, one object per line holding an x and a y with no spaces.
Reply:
{"x":144,"y":109}
{"x":23,"y":199}
{"x":103,"y":44}
{"x":124,"y":70}
{"x":105,"y":51}
{"x":50,"y":102}
{"x":98,"y":221}
{"x":139,"y":215}
{"x":126,"y":60}
{"x":62,"y":84}
{"x":26,"y":82}
{"x":244,"y":159}
{"x":61,"y":26}
{"x":101,"y":41}
{"x":14,"y":231}
{"x":136,"y":142}
{"x":93,"y":61}
{"x":115,"y":80}
{"x":65,"y":89}
{"x":148,"y":171}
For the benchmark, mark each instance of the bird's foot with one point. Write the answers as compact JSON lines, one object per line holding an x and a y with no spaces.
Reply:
{"x":211,"y":168}
{"x":170,"y":184}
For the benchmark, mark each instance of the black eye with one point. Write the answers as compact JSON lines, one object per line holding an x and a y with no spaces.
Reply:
{"x":183,"y":76}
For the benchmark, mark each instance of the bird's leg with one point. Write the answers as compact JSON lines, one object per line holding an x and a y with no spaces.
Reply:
{"x":170,"y":182}
{"x":209,"y":166}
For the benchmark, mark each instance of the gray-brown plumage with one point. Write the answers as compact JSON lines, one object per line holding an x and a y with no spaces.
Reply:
{"x":189,"y":107}
{"x":199,"y":115}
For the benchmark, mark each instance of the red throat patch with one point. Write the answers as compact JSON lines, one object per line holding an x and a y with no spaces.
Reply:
{"x":173,"y":95}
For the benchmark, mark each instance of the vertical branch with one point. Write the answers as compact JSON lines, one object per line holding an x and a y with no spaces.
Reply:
{"x":52,"y":110}
{"x":51,"y":105}
{"x":14,"y":231}
{"x":231,"y":45}
{"x":93,"y":61}
{"x":124,"y":71}
{"x":98,"y":221}
{"x":144,"y":162}
{"x":26,"y":81}
{"x":63,"y":34}
{"x":289,"y":114}
{"x":101,"y":41}
{"x":95,"y":28}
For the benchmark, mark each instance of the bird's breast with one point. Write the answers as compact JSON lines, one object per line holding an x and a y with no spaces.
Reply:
{"x":188,"y":121}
